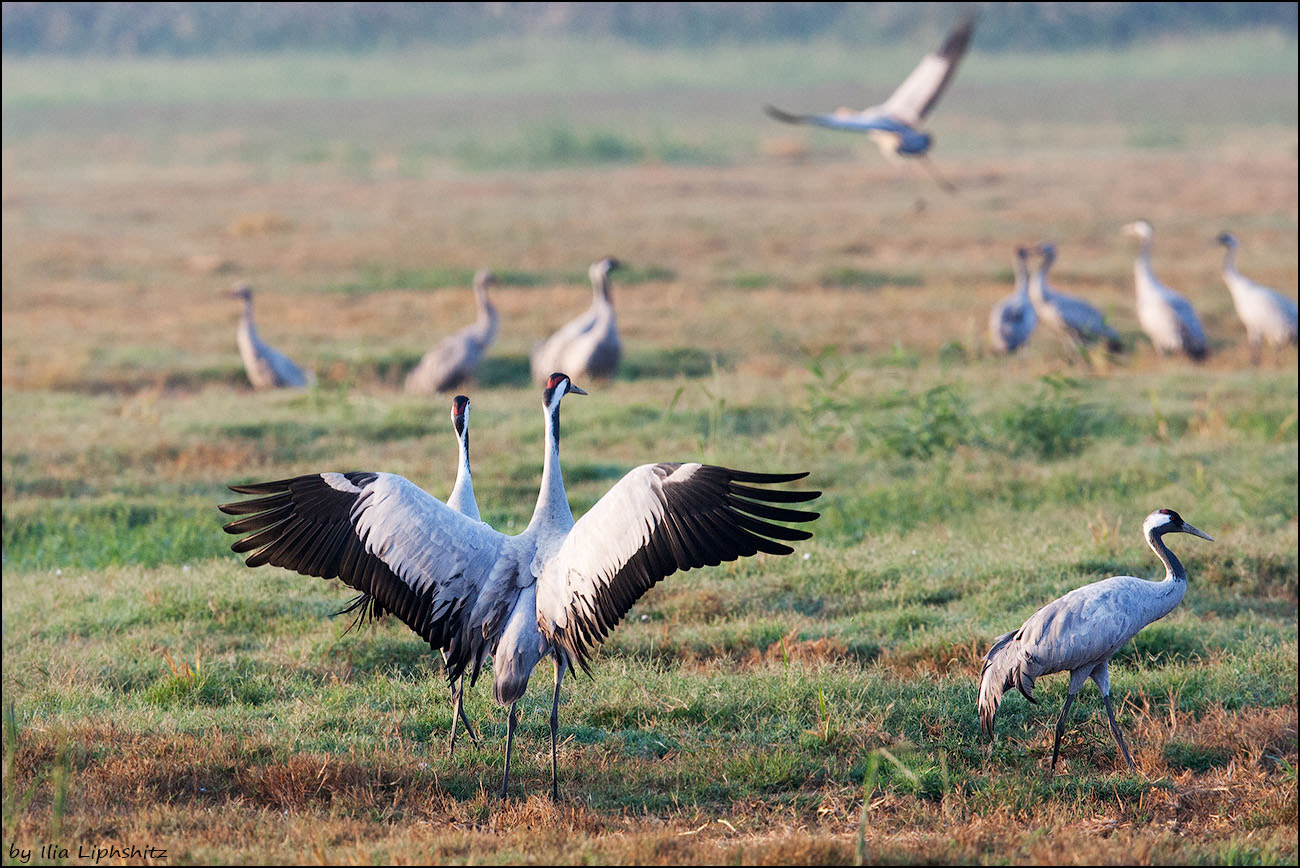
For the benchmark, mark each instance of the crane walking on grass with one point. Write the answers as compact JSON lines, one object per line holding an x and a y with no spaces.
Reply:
{"x":893,"y":125}
{"x":267,"y":367}
{"x":1166,"y":317}
{"x":457,"y":357}
{"x":1082,"y":630}
{"x":1012,"y":320}
{"x":1267,"y":314}
{"x":555,"y":589}
{"x":1079,"y":321}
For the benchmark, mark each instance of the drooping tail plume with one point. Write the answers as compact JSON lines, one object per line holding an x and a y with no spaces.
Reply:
{"x":1000,"y":672}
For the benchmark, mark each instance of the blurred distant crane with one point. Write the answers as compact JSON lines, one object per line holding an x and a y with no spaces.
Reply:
{"x":1012,"y":320}
{"x":1166,"y":317}
{"x":267,"y":367}
{"x":1267,"y":314}
{"x":589,"y":344}
{"x":1076,"y":319}
{"x":457,"y":357}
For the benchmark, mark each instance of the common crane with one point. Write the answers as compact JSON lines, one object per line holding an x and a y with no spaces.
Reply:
{"x":1012,"y":320}
{"x":267,"y":367}
{"x":454,"y":360}
{"x":893,"y":125}
{"x":587,"y":345}
{"x":1082,"y":630}
{"x":1075,"y":318}
{"x":1166,"y":317}
{"x":463,"y":501}
{"x":557,"y":588}
{"x":1267,"y":314}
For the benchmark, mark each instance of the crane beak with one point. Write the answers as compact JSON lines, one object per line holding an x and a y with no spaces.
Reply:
{"x":574,"y":389}
{"x":1187,"y":528}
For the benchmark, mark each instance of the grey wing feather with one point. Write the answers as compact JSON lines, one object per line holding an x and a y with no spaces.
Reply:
{"x":658,"y":519}
{"x":917,"y":95}
{"x":380,"y":534}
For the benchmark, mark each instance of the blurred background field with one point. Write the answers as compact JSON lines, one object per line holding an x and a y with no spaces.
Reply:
{"x":791,"y":301}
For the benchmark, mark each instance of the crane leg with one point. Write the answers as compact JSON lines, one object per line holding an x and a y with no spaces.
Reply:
{"x":1060,"y":730}
{"x":560,"y":667}
{"x":458,"y":694}
{"x":1114,"y":728}
{"x":510,"y":740}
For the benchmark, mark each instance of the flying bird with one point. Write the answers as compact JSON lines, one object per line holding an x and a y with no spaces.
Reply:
{"x":267,"y":367}
{"x":1166,"y":317}
{"x":588,"y":345}
{"x":1012,"y":320}
{"x":456,"y":358}
{"x":894,"y":124}
{"x":1082,"y":630}
{"x":555,"y":589}
{"x":1267,"y":314}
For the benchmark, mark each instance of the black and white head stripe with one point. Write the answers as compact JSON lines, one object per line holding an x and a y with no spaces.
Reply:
{"x":658,"y":519}
{"x":459,"y":413}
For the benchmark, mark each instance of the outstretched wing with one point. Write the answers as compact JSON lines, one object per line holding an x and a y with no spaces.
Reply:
{"x":403,"y":549}
{"x":658,"y":519}
{"x":860,"y":122}
{"x":919,"y":92}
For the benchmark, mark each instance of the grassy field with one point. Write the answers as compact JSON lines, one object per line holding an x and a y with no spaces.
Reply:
{"x":791,"y":302}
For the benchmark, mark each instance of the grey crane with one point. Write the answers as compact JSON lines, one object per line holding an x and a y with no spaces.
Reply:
{"x":1267,"y":314}
{"x":1166,"y":317}
{"x":555,"y":589}
{"x":457,"y":357}
{"x":587,"y":345}
{"x":1012,"y":320}
{"x":267,"y":367}
{"x":1073,"y":317}
{"x":463,"y":501}
{"x":1082,"y":630}
{"x":893,"y":125}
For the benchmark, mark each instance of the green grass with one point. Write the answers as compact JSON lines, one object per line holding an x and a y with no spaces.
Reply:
{"x":819,"y":311}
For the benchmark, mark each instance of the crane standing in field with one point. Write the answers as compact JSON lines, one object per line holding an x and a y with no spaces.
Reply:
{"x":1082,"y":630}
{"x":463,"y":501}
{"x":588,"y":344}
{"x":267,"y":367}
{"x":1166,"y":317}
{"x":1079,"y":321}
{"x":557,"y":588}
{"x":893,"y":125}
{"x":1012,"y":319}
{"x":1267,"y":314}
{"x":457,"y":357}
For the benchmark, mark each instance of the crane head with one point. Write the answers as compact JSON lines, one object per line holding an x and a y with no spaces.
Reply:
{"x":1227,"y":239}
{"x":1139,"y":228}
{"x":1164,"y":521}
{"x":241,"y":291}
{"x":557,"y":386}
{"x":460,"y":414}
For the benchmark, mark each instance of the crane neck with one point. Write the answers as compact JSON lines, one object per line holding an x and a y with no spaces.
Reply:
{"x":1174,"y":571}
{"x":1144,"y":277}
{"x":1038,"y":282}
{"x":552,"y":502}
{"x":488,"y":318}
{"x":1230,"y":260}
{"x":462,"y":498}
